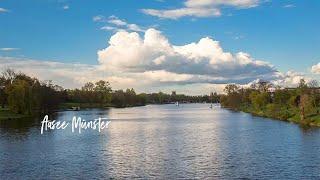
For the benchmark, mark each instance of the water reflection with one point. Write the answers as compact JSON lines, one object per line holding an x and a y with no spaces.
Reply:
{"x":189,"y":141}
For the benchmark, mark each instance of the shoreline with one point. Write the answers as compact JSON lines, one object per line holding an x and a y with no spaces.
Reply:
{"x":6,"y":114}
{"x":289,"y":120}
{"x":69,"y":106}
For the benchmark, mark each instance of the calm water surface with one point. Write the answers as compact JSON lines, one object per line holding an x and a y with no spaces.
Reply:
{"x":161,"y":141}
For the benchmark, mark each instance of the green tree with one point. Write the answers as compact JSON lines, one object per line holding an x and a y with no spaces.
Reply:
{"x":89,"y":86}
{"x":259,"y":100}
{"x":103,"y":90}
{"x":18,"y":96}
{"x":281,"y":97}
{"x":231,"y":88}
{"x":3,"y":95}
{"x":233,"y":97}
{"x":119,"y":98}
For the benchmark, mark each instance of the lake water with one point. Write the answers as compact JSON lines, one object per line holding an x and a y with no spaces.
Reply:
{"x":161,"y":142}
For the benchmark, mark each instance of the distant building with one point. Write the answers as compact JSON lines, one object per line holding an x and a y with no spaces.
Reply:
{"x":271,"y":89}
{"x":173,"y":93}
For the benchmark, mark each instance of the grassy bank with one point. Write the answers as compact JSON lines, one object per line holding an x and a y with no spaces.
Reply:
{"x":284,"y":114}
{"x":7,"y":114}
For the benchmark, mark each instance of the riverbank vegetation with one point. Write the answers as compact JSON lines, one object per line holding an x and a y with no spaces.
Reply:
{"x":5,"y":113}
{"x":299,"y":105}
{"x":22,"y":95}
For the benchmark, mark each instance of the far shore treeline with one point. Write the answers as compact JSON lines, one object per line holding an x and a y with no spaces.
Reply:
{"x":299,"y":105}
{"x":22,"y":95}
{"x":25,"y":95}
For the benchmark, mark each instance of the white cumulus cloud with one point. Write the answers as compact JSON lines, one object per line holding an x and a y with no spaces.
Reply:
{"x":203,"y":61}
{"x":290,"y":79}
{"x":316,"y":68}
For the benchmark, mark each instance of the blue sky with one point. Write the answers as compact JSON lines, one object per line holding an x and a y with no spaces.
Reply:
{"x":284,"y":33}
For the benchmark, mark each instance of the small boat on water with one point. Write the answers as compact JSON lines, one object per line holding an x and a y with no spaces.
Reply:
{"x":177,"y":103}
{"x":75,"y":108}
{"x":216,"y":105}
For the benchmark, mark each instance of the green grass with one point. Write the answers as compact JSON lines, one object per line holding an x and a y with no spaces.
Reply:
{"x":7,"y":114}
{"x":314,"y":120}
{"x":294,"y":116}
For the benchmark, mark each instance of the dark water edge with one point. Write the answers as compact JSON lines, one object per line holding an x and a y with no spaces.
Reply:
{"x":161,"y":142}
{"x":64,"y":107}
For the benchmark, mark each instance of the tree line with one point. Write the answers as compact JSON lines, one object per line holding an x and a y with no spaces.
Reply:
{"x":23,"y":94}
{"x":300,"y":104}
